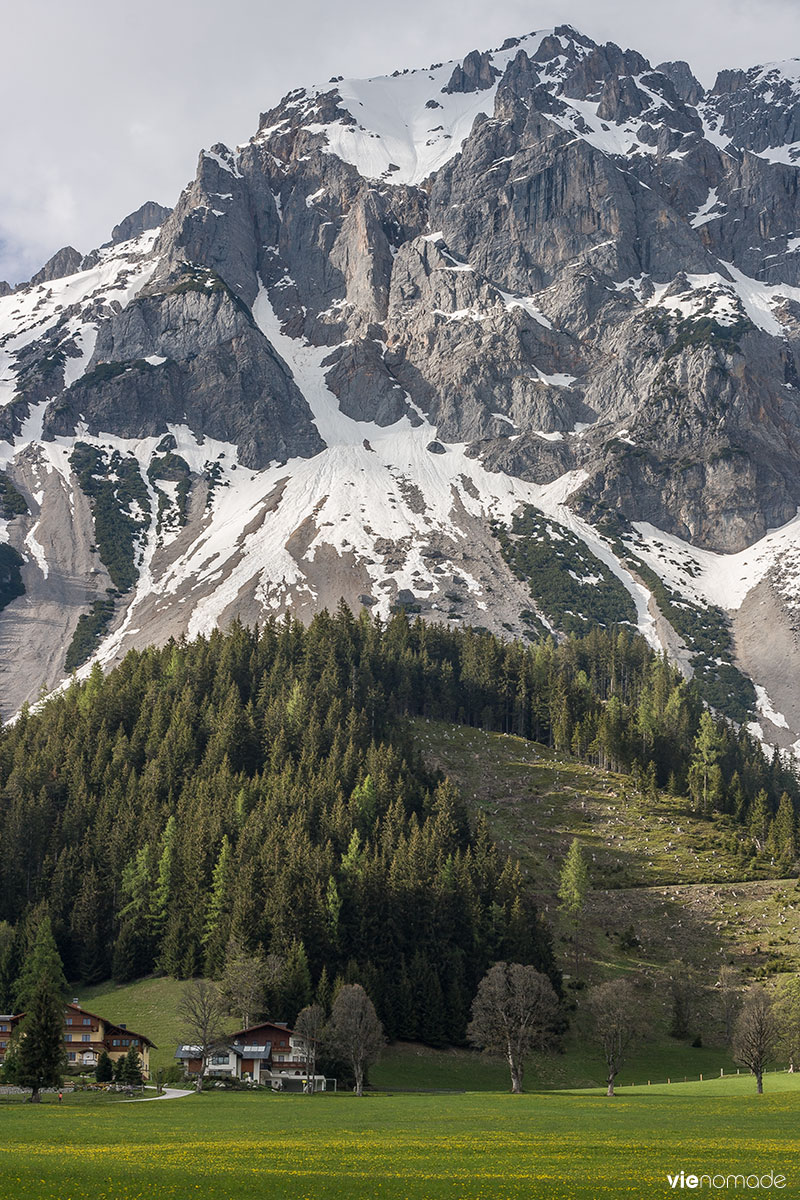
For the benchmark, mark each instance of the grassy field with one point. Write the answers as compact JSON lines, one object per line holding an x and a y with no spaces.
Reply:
{"x":576,"y":1145}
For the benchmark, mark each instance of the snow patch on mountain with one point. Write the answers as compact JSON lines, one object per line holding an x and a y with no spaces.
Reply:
{"x":705,"y":577}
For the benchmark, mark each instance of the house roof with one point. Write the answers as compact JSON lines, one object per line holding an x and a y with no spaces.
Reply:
{"x":253,"y":1051}
{"x":278,"y":1025}
{"x":241,"y":1049}
{"x":123,"y":1030}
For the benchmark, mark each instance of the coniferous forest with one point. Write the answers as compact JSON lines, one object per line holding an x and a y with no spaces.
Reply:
{"x":263,"y":786}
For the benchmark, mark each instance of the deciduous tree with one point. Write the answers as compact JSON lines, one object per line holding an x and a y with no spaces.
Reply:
{"x":787,"y":1014}
{"x":203,"y":1013}
{"x":513,"y":1014}
{"x":246,"y":978}
{"x":755,"y":1034}
{"x":614,"y":1012}
{"x":310,"y":1026}
{"x":354,"y":1032}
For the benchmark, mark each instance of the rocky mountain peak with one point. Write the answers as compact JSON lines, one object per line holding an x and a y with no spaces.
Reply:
{"x":149,"y":216}
{"x":65,"y":261}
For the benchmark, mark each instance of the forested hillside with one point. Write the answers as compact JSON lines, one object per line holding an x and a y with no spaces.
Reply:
{"x":261,"y":785}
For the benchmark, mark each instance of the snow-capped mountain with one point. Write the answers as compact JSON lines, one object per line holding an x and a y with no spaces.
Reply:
{"x":436,"y":340}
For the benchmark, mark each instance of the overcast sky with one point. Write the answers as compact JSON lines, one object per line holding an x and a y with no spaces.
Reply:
{"x":105,"y":106}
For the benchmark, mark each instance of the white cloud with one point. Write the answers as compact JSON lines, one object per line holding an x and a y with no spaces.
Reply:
{"x":111,"y":105}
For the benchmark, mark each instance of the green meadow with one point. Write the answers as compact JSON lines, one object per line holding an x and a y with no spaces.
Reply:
{"x":476,"y":1146}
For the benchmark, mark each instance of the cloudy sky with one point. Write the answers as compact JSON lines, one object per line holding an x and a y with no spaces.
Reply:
{"x":104,"y":106}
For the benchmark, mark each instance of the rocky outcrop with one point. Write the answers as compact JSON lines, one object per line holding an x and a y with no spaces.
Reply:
{"x":149,"y":216}
{"x":690,"y":90}
{"x":65,"y":261}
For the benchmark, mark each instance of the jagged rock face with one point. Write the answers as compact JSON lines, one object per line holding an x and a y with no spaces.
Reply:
{"x":149,"y":216}
{"x":679,"y":73}
{"x":759,"y":109}
{"x":410,"y":304}
{"x":65,"y":261}
{"x":224,"y":380}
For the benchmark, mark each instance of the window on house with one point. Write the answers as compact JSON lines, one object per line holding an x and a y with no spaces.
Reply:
{"x":126,"y":1041}
{"x":67,"y":1037}
{"x":217,"y":1059}
{"x":115,"y":1042}
{"x":86,"y":1037}
{"x":3,"y":1029}
{"x":69,"y":1020}
{"x":2,"y":1045}
{"x":71,"y":1056}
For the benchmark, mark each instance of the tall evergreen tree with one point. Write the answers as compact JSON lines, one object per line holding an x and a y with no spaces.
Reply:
{"x":573,"y":888}
{"x":41,"y":1059}
{"x":42,"y":962}
{"x":705,"y":775}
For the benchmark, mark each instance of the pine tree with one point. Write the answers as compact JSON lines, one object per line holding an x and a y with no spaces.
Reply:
{"x":705,"y":776}
{"x":43,"y":962}
{"x":104,"y":1071}
{"x":131,"y":1068}
{"x":40,"y":1041}
{"x":572,"y":891}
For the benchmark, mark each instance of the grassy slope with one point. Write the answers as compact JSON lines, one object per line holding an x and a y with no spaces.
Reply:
{"x":473,"y":1147}
{"x":679,"y":879}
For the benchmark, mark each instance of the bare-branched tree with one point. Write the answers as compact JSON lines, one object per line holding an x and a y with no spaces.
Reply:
{"x":787,"y":1013}
{"x":755,"y":1034}
{"x":310,"y":1026}
{"x":354,"y":1032}
{"x":513,"y":1014}
{"x":246,"y":979}
{"x":728,"y":990}
{"x":203,"y":1012}
{"x":614,"y":1011}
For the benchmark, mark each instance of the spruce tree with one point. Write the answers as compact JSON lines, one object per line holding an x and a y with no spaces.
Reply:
{"x":785,"y":830}
{"x":40,"y":1041}
{"x":42,"y":962}
{"x":8,"y":947}
{"x":131,"y":1068}
{"x":295,"y":982}
{"x":322,"y":996}
{"x":104,"y":1071}
{"x":572,"y":891}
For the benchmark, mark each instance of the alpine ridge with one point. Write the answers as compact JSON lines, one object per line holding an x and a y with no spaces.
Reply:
{"x":509,"y":341}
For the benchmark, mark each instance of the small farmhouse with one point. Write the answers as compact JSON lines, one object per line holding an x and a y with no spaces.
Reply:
{"x":86,"y":1036}
{"x":268,"y":1053}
